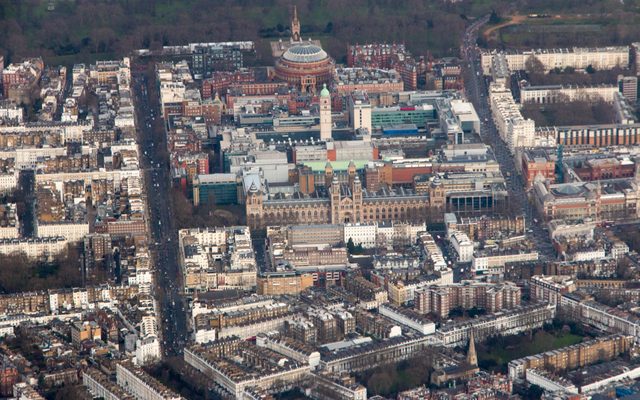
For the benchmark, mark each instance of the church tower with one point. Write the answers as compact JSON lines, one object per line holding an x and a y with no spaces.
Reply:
{"x":335,"y":200}
{"x":325,"y":114}
{"x":254,"y":206}
{"x":328,"y":175}
{"x":472,"y":357}
{"x":351,"y":171}
{"x":357,"y":199}
{"x":295,"y":26}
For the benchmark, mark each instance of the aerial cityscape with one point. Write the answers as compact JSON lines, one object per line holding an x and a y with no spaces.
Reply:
{"x":301,"y":199}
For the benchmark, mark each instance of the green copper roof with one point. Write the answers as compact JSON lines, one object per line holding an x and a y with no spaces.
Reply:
{"x":324,"y":92}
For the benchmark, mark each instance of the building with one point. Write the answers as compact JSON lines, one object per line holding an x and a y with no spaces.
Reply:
{"x":87,"y":330}
{"x":206,"y":59}
{"x":20,"y":81}
{"x":538,"y":164}
{"x":142,"y":385}
{"x":573,"y":357}
{"x":100,"y":386}
{"x":217,"y":258}
{"x":376,"y":55}
{"x":305,"y":66}
{"x":550,"y":289}
{"x":595,"y":136}
{"x":8,"y":376}
{"x":510,"y":322}
{"x":628,"y":86}
{"x":345,"y":203}
{"x":360,"y":113}
{"x":554,"y":93}
{"x":441,"y":299}
{"x":218,"y":189}
{"x":579,"y":58}
{"x":462,"y":245}
{"x":408,"y":318}
{"x":600,"y":316}
{"x":367,"y":80}
{"x":367,"y":354}
{"x":514,"y":129}
{"x":494,"y":262}
{"x":285,"y":282}
{"x":325,"y":114}
{"x":602,"y":200}
{"x":249,"y":366}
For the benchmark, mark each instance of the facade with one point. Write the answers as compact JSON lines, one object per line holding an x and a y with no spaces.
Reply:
{"x":537,"y":163}
{"x":514,"y":129}
{"x":218,"y":189}
{"x":286,"y":282}
{"x":142,"y":385}
{"x":462,"y":245}
{"x":594,"y":136}
{"x":576,"y":57}
{"x":347,"y":203}
{"x":100,"y":386}
{"x":550,"y":289}
{"x":367,"y":80}
{"x":555,"y":93}
{"x":628,"y":86}
{"x":8,"y":376}
{"x":573,"y":357}
{"x":600,"y":316}
{"x":440,"y":300}
{"x":360,"y":114}
{"x":604,"y":200}
{"x":372,"y":354}
{"x":509,"y":322}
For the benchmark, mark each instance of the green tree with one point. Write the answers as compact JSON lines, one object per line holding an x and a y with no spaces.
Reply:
{"x":350,"y":246}
{"x":494,"y":18}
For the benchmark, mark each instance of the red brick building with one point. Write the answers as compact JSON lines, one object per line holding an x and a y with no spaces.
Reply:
{"x":8,"y":376}
{"x":222,"y":80}
{"x":537,"y":162}
{"x":605,"y":168}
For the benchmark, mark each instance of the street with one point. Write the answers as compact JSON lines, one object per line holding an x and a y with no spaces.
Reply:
{"x":477,"y":92}
{"x":163,"y":235}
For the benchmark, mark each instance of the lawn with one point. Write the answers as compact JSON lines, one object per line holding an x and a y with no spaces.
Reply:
{"x":496,"y":353}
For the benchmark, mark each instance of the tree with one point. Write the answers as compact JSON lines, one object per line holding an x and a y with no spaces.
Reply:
{"x":350,"y":246}
{"x":494,"y":18}
{"x":534,"y":392}
{"x":590,"y":69}
{"x":533,"y":65}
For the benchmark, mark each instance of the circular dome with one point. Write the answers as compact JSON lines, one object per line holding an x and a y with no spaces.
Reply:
{"x":305,"y":53}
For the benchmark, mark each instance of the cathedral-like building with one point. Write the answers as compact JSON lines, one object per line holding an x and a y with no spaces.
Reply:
{"x":346,"y":202}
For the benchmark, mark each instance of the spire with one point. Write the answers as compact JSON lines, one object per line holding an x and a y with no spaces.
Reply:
{"x":295,"y":26}
{"x":472,"y":357}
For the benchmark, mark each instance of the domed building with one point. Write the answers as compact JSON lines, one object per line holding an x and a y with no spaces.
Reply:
{"x":304,"y":64}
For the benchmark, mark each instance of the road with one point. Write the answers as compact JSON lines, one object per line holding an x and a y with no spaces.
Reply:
{"x":164,"y":238}
{"x":27,"y":184}
{"x":477,"y":92}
